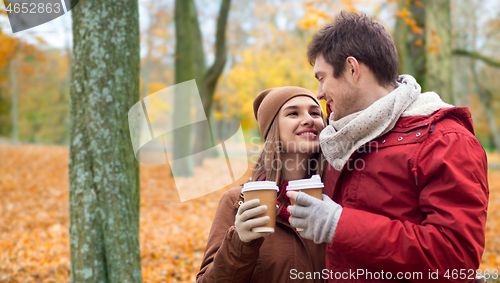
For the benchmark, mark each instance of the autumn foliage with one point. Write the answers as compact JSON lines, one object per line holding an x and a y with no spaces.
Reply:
{"x":34,"y":223}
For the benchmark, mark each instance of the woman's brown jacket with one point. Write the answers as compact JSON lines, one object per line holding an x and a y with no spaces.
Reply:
{"x":283,"y":256}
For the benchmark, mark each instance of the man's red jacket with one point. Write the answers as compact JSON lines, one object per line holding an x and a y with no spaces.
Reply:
{"x":414,"y":200}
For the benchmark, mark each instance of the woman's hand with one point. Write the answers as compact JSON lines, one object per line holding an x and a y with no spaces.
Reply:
{"x":244,"y":223}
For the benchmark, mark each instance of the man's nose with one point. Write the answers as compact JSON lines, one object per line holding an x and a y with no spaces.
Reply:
{"x":321,"y":94}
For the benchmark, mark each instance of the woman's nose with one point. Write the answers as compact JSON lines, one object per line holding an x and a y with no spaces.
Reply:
{"x":308,"y":120}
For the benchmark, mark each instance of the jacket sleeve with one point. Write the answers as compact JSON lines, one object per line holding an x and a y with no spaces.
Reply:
{"x":452,"y":177}
{"x":227,"y":258}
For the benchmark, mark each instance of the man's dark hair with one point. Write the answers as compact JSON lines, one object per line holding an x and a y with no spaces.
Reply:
{"x":360,"y":37}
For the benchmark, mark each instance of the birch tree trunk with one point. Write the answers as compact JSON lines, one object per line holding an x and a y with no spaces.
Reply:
{"x":104,"y":174}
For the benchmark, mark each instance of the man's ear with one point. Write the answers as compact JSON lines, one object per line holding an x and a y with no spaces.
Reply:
{"x":352,"y":69}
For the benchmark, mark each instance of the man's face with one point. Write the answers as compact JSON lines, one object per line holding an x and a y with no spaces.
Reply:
{"x":340,"y":95}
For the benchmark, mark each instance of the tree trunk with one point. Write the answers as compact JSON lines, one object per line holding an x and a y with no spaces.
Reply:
{"x":210,"y":79}
{"x":185,"y":70}
{"x":213,"y":74}
{"x":104,"y":174}
{"x":147,"y":65}
{"x":14,"y":64}
{"x":410,"y":46}
{"x":486,"y":100}
{"x":190,"y":64}
{"x":201,"y":130}
{"x":400,"y":39}
{"x":438,"y":48}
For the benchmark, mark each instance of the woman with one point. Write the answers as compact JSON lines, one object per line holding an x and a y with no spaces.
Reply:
{"x":290,"y":121}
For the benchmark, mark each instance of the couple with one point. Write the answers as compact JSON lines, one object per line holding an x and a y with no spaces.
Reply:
{"x":406,"y":187}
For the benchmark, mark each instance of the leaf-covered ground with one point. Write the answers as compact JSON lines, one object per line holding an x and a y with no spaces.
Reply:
{"x":34,"y":220}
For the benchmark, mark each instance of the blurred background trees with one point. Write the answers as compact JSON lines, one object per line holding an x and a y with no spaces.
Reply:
{"x":190,"y":64}
{"x":34,"y":90}
{"x":448,"y":45}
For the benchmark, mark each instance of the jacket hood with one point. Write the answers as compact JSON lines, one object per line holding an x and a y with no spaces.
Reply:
{"x":461,"y":114}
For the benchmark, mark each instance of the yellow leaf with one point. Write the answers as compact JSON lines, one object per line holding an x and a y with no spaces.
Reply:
{"x":40,"y":40}
{"x":417,"y":30}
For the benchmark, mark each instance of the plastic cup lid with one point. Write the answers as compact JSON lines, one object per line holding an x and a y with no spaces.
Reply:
{"x":313,"y":183}
{"x":259,"y":185}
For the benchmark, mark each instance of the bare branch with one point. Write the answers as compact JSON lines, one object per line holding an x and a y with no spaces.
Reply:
{"x":216,"y":69}
{"x":477,"y":56}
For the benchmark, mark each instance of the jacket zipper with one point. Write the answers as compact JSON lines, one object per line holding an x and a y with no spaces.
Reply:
{"x":430,"y":129}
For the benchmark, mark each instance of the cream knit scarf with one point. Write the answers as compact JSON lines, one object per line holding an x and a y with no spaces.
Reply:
{"x":341,"y":138}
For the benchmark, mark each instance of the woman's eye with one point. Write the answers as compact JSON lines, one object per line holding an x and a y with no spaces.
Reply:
{"x":291,"y":113}
{"x":316,"y":114}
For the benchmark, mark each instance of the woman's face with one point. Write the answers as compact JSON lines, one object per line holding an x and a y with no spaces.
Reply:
{"x":300,"y":122}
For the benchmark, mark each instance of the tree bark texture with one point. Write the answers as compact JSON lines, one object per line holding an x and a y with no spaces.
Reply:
{"x":438,"y":48}
{"x":104,"y":174}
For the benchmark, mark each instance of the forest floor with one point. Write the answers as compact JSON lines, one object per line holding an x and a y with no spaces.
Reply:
{"x":34,"y":218}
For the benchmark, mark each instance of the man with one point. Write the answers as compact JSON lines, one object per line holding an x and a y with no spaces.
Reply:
{"x":406,"y":188}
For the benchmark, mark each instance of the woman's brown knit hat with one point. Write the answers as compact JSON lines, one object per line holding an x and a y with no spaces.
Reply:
{"x":268,"y":103}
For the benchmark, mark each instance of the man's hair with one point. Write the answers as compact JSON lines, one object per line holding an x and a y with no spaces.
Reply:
{"x":360,"y":37}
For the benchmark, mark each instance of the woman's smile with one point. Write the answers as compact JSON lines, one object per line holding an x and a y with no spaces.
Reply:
{"x":308,"y":133}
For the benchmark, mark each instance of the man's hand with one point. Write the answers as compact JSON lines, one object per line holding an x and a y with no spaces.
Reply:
{"x":244,"y":221}
{"x":318,"y":218}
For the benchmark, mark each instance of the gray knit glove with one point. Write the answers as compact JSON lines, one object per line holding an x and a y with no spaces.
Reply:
{"x":244,"y":223}
{"x":318,"y":218}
